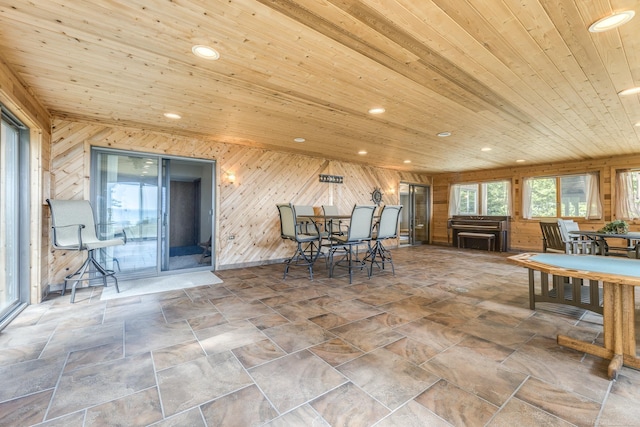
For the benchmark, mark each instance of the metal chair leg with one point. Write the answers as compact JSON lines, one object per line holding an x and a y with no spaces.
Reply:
{"x":85,"y":270}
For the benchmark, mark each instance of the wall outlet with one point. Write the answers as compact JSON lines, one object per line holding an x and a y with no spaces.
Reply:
{"x":232,"y":236}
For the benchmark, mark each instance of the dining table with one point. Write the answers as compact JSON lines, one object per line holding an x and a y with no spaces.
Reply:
{"x":602,"y":240}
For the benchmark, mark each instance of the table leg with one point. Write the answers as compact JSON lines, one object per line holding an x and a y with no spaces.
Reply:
{"x":618,"y":330}
{"x":615,"y":341}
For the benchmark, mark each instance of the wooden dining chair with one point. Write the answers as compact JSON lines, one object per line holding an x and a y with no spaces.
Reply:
{"x":576,"y":244}
{"x":566,"y":290}
{"x":551,"y":236}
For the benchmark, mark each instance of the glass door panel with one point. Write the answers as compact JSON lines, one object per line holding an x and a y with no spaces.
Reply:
{"x":420,"y":214}
{"x":414,"y":218}
{"x":405,"y":215}
{"x":9,"y":285}
{"x":187,"y":204}
{"x":127,"y":199}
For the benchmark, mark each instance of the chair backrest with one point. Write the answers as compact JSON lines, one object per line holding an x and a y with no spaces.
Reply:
{"x":66,"y":216}
{"x":361,"y":224}
{"x":551,"y":237}
{"x":388,"y":225}
{"x":304,"y":210}
{"x":330,"y":210}
{"x":288,"y":228}
{"x":575,"y":244}
{"x":305,"y":226}
{"x":567,"y":225}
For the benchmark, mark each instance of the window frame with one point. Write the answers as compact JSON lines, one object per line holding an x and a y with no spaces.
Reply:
{"x":481,"y":199}
{"x":558,"y":195}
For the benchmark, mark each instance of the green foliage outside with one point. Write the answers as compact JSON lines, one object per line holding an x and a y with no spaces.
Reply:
{"x":573,"y":197}
{"x":543,"y":197}
{"x":497,"y":198}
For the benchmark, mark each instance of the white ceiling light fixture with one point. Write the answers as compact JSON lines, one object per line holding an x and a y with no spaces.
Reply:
{"x":630,"y":91}
{"x":444,"y":134}
{"x":362,"y":152}
{"x":520,"y":161}
{"x":299,"y":139}
{"x":407,"y":161}
{"x":173,"y":116}
{"x":205,"y":52}
{"x":377,"y":110}
{"x":485,"y":149}
{"x":612,"y":21}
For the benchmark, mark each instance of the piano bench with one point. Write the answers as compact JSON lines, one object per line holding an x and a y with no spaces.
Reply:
{"x":489,"y":238}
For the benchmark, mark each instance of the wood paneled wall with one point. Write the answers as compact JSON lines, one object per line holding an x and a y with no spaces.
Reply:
{"x":246,"y":208}
{"x":525,"y":234}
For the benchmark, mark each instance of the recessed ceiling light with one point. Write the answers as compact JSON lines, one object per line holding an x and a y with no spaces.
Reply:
{"x":520,"y":161}
{"x":630,"y":91}
{"x":444,"y":134}
{"x":485,"y":149}
{"x":205,"y":52}
{"x":174,"y":116}
{"x":407,"y":161}
{"x":612,"y":21}
{"x":299,"y":139}
{"x":377,"y":110}
{"x":362,"y":152}
{"x":637,"y":124}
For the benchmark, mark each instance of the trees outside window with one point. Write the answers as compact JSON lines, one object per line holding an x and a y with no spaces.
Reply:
{"x":482,"y":198}
{"x":628,"y":195}
{"x":569,"y":196}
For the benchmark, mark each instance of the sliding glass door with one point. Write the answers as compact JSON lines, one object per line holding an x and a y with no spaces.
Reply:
{"x":414,"y":219}
{"x":14,"y":216}
{"x":163,"y":205}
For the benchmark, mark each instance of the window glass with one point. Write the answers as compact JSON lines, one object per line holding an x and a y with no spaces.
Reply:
{"x":568,"y":196}
{"x":468,"y":200}
{"x":496,"y":198}
{"x":487,"y":198}
{"x":573,"y":197}
{"x":14,"y":214}
{"x":543,"y":197}
{"x":628,"y":195}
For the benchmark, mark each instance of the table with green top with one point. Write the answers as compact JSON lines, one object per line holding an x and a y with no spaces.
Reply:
{"x":619,"y":277}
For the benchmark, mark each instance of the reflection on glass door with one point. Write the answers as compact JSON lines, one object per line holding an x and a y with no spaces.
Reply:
{"x":137,"y":193}
{"x":414,"y":219}
{"x":127,"y":199}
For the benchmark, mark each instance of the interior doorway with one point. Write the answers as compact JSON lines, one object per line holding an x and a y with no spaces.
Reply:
{"x":163,"y":204}
{"x":414,"y":218}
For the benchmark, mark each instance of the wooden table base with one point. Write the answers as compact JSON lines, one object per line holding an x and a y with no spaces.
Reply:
{"x":618,"y":330}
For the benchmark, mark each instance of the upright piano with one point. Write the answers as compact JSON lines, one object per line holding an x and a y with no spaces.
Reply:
{"x":496,"y":225}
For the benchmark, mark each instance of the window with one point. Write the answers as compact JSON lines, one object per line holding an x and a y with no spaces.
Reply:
{"x":628,"y":195}
{"x":568,"y":196}
{"x":485,"y":198}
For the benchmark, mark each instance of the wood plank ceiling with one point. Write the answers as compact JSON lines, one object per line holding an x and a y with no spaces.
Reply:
{"x":524,"y":78}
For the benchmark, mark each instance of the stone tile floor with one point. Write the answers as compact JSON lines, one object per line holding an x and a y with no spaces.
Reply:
{"x":449,"y":340}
